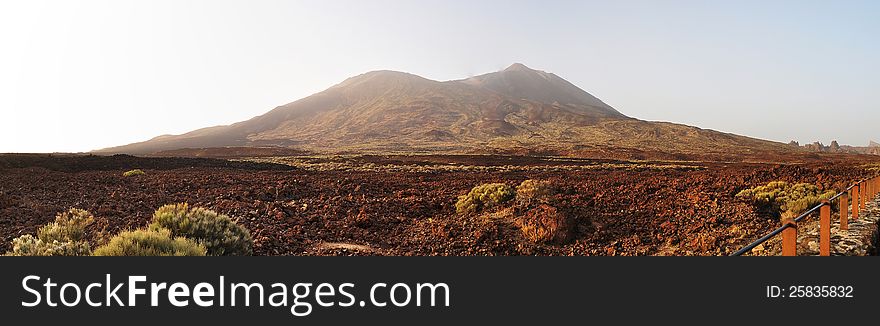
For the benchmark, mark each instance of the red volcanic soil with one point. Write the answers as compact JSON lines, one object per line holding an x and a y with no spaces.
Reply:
{"x":618,"y":211}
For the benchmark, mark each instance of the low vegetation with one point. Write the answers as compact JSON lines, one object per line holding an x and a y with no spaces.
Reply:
{"x":533,"y":211}
{"x":873,"y":167}
{"x":63,"y":237}
{"x":150,"y":243}
{"x":176,"y":230}
{"x":484,"y":196}
{"x":540,"y":218}
{"x":533,"y":191}
{"x":355,"y":163}
{"x":217,"y":232}
{"x":68,"y":226}
{"x":786,"y":199}
{"x":132,"y":173}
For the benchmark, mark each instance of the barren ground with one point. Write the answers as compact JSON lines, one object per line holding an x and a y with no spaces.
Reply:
{"x":403,"y":205}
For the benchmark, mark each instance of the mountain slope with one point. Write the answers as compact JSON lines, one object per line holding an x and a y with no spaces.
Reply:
{"x":516,"y":110}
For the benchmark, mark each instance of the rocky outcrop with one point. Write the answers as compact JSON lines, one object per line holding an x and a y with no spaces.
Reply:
{"x":835,"y":147}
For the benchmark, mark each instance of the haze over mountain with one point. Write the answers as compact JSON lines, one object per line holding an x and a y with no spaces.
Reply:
{"x":516,"y":110}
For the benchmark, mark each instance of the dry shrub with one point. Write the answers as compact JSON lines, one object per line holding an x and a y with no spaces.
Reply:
{"x":783,"y":198}
{"x":872,"y":167}
{"x":68,"y":226}
{"x":546,"y":224}
{"x":132,"y":173}
{"x":217,"y":232}
{"x":534,"y":212}
{"x":28,"y":245}
{"x":64,"y":237}
{"x":150,"y":243}
{"x":484,"y":196}
{"x":541,"y":221}
{"x":535,"y":191}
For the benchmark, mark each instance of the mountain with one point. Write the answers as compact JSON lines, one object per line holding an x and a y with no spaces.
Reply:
{"x":873,"y":148}
{"x":516,"y":110}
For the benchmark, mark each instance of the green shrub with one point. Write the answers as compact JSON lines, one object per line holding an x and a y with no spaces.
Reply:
{"x":132,"y":173}
{"x":785,"y":198}
{"x":484,"y":196}
{"x":217,"y":232}
{"x":64,"y":237}
{"x":68,"y":226}
{"x":535,"y":191}
{"x":149,"y":243}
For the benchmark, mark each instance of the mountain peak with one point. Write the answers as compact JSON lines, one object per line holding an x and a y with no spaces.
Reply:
{"x":385,"y":77}
{"x":385,"y":74}
{"x":518,"y":67}
{"x":521,"y":82}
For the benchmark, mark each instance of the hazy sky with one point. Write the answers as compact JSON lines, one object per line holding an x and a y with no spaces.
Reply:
{"x":82,"y":75}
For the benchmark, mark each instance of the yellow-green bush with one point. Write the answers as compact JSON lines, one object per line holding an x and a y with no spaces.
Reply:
{"x":535,"y":191}
{"x":484,"y":196}
{"x":533,"y":212}
{"x":132,"y":173}
{"x":785,"y":198}
{"x":64,"y":237}
{"x":872,"y":167}
{"x":217,"y":232}
{"x":150,"y":243}
{"x":68,"y":226}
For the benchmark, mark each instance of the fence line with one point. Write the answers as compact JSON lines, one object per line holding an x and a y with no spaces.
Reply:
{"x":859,"y":193}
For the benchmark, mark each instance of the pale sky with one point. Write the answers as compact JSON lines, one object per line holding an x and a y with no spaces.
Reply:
{"x":83,"y":75}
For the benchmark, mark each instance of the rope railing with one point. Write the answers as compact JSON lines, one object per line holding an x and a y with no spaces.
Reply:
{"x":859,"y":193}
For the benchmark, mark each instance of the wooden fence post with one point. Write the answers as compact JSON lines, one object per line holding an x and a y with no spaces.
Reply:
{"x":873,"y":188}
{"x":844,"y":212}
{"x":864,"y":195}
{"x":870,"y":189}
{"x":789,"y":238}
{"x":855,"y":202}
{"x":870,"y":192}
{"x":825,"y":229}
